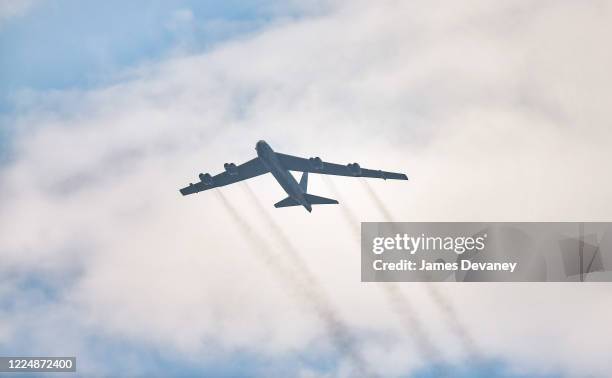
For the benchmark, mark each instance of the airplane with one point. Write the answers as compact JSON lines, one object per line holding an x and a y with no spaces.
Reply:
{"x":279,"y":165}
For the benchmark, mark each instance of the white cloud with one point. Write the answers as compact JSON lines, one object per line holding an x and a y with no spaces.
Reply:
{"x":496,"y":112}
{"x":14,"y":8}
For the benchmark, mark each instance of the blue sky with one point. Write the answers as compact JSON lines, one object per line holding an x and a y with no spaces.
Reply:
{"x":59,"y":44}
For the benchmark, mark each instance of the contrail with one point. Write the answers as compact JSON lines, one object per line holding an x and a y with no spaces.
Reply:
{"x":292,"y":251}
{"x":381,"y":206}
{"x":336,"y":329}
{"x":399,"y":303}
{"x":352,"y":219}
{"x":438,"y":297}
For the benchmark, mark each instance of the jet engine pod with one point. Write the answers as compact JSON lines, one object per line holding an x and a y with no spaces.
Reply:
{"x":231,"y":169}
{"x":354,"y":168}
{"x":206,"y":178}
{"x":316,"y":162}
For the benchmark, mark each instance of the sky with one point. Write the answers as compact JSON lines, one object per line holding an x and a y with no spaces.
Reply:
{"x":496,"y":111}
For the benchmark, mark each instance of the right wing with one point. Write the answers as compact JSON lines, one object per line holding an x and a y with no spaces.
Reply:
{"x":295,"y":163}
{"x":251,"y":168}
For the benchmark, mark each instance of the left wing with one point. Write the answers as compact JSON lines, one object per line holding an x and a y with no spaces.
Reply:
{"x":232,"y":174}
{"x":316,"y":165}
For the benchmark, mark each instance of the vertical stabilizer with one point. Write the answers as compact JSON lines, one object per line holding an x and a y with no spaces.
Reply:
{"x":304,"y":182}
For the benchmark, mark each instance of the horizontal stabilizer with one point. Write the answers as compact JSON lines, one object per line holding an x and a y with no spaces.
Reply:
{"x":316,"y":200}
{"x":287,"y":202}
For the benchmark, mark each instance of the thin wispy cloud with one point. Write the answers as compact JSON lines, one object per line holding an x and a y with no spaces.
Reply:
{"x":15,"y":8}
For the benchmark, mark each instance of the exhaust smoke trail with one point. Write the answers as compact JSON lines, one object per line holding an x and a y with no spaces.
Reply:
{"x":374,"y":197}
{"x":443,"y":303}
{"x":289,"y":247}
{"x":336,"y":329}
{"x":353,"y":221}
{"x":399,"y":303}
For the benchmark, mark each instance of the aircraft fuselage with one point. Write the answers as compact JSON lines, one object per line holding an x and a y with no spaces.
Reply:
{"x":281,"y":174}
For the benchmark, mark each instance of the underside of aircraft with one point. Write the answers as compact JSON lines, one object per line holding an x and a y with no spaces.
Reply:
{"x":279,"y":165}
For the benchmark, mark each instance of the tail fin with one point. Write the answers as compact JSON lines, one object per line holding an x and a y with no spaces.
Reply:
{"x":316,"y":200}
{"x":304,"y":182}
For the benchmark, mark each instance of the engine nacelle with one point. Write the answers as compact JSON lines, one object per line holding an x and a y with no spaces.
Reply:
{"x":206,"y":178}
{"x":316,"y":162}
{"x":231,"y":169}
{"x":354,"y":168}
